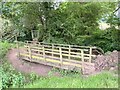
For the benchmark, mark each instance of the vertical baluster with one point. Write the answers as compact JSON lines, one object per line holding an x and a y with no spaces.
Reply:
{"x":44,"y":52}
{"x":60,"y":55}
{"x":52,"y":50}
{"x":30,"y":53}
{"x":90,"y":59}
{"x":17,"y":43}
{"x":82,"y":54}
{"x":69,"y":52}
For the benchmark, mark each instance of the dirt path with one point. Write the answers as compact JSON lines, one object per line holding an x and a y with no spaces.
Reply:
{"x":27,"y":67}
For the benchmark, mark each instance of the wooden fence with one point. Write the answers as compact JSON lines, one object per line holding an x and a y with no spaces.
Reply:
{"x":58,"y":55}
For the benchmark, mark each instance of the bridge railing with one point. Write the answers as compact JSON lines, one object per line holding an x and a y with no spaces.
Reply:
{"x":58,"y":55}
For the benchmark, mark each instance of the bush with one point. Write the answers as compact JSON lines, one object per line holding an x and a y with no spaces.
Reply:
{"x":108,"y":40}
{"x":4,"y":47}
{"x":9,"y":77}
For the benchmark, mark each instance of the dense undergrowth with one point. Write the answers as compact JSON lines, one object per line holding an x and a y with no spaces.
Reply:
{"x":10,"y":78}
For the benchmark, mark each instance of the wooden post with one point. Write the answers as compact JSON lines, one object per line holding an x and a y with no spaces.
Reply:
{"x":39,"y":44}
{"x":82,"y":55}
{"x":17,"y":43}
{"x":52,"y":50}
{"x":38,"y":49}
{"x":69,"y":52}
{"x":27,"y":47}
{"x":90,"y":59}
{"x":44,"y":53}
{"x":27,"y":42}
{"x":30,"y":53}
{"x":60,"y":55}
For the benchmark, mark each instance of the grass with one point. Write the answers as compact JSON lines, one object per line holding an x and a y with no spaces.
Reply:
{"x":103,"y":80}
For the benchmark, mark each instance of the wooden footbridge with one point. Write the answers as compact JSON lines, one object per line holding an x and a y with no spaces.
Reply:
{"x":71,"y":57}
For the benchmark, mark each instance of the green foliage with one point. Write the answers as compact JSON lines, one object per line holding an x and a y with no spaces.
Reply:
{"x":108,"y":40}
{"x":73,"y":20}
{"x":64,"y":73}
{"x":65,"y":22}
{"x":4,"y":47}
{"x":32,"y":77}
{"x":9,"y":77}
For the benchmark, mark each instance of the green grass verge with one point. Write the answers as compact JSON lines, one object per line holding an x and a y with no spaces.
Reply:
{"x":103,"y":80}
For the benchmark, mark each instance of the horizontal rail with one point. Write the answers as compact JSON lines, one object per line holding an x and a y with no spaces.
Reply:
{"x":62,"y":44}
{"x":58,"y":48}
{"x":57,"y":52}
{"x":37,"y":57}
{"x":85,"y":57}
{"x":51,"y":60}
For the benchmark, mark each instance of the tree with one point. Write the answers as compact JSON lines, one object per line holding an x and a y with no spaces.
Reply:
{"x":65,"y":22}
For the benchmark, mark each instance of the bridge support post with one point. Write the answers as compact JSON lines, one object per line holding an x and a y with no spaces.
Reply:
{"x":52,"y":50}
{"x":90,"y":55}
{"x":30,"y":53}
{"x":69,"y":52}
{"x":44,"y":53}
{"x":17,"y":43}
{"x":82,"y":55}
{"x":61,"y":56}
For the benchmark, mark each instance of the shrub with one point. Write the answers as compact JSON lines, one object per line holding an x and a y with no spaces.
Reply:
{"x":108,"y":40}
